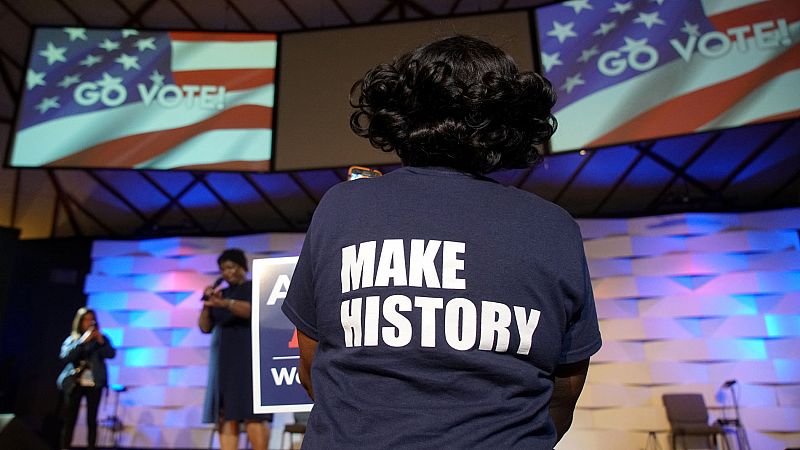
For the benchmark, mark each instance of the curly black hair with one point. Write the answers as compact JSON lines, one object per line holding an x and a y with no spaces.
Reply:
{"x":458,"y":102}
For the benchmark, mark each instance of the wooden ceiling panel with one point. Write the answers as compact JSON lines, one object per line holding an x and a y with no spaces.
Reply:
{"x":35,"y":204}
{"x":271,"y":15}
{"x":8,"y":179}
{"x":333,"y":14}
{"x":164,"y":14}
{"x":364,"y":12}
{"x":97,"y":201}
{"x":98,"y":13}
{"x":210,"y":14}
{"x":14,"y":38}
{"x":43,"y":12}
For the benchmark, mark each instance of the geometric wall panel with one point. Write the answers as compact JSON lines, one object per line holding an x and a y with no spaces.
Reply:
{"x":146,"y":294}
{"x":685,"y":302}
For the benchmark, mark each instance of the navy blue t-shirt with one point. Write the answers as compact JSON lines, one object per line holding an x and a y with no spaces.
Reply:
{"x":442,"y":303}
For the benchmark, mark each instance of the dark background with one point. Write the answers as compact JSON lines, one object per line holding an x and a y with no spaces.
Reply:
{"x":41,"y":287}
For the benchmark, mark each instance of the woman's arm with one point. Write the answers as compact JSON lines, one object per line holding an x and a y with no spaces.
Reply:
{"x":308,"y":347}
{"x":106,"y":348}
{"x":567,"y":386}
{"x":238,"y":308}
{"x":205,"y":322}
{"x":71,"y":350}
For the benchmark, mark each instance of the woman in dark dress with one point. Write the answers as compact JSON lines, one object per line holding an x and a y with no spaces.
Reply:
{"x":229,"y":396}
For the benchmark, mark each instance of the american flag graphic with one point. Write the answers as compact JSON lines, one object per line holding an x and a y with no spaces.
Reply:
{"x":632,"y":70}
{"x":147,"y":100}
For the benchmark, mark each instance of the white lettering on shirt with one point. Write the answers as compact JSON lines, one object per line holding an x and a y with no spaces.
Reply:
{"x":462,"y":327}
{"x":359,"y":271}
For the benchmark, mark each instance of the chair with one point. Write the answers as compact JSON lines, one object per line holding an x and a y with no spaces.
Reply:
{"x":688,"y":418}
{"x":298,"y":427}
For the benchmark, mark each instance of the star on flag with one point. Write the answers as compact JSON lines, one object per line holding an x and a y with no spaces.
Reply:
{"x":157,"y":78}
{"x":586,"y":55}
{"x":632,"y":44}
{"x":128,"y":62}
{"x":621,"y":8}
{"x":33,"y":79}
{"x":578,"y":5}
{"x":76,"y":33}
{"x":109,"y":45}
{"x":69,"y":80}
{"x":691,"y":29}
{"x":605,"y":27}
{"x":145,"y":44}
{"x":548,"y":61}
{"x":90,"y":60}
{"x":649,"y":19}
{"x":571,"y":82}
{"x":46,"y":104}
{"x":53,"y":54}
{"x":562,"y":31}
{"x":108,"y":80}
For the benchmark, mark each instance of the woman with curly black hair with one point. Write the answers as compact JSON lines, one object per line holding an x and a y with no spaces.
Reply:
{"x":434,"y":306}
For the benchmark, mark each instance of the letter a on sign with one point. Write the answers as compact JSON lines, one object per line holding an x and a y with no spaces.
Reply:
{"x":279,"y":290}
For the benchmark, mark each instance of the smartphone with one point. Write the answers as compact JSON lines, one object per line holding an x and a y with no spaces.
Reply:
{"x":356,"y":172}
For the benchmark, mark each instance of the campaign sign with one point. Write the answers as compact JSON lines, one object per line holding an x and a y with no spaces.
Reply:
{"x":276,"y":355}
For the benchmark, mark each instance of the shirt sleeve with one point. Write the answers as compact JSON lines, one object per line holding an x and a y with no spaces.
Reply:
{"x":582,"y":338}
{"x":300,"y":305}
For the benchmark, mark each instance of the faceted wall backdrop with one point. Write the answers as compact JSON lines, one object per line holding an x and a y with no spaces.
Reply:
{"x":686,"y":302}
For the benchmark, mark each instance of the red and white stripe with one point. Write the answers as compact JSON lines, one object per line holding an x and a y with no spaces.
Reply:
{"x":706,"y":93}
{"x":238,"y":137}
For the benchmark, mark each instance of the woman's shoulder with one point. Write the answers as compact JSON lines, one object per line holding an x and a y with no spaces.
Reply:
{"x":69,"y":341}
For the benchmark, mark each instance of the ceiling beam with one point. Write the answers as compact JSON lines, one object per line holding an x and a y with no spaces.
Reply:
{"x":14,"y":197}
{"x":107,"y":186}
{"x":61,"y":197}
{"x":618,"y":183}
{"x":72,"y":12}
{"x":70,"y":201}
{"x":239,"y":13}
{"x":54,"y":216}
{"x":152,"y":222}
{"x":186,"y":14}
{"x":123,"y":7}
{"x":753,"y":155}
{"x":574,"y":176}
{"x":678,"y":172}
{"x":13,"y":62}
{"x":225,"y":205}
{"x":524,"y":178}
{"x":303,"y":187}
{"x":390,"y":4}
{"x":785,"y":185}
{"x":269,"y":202}
{"x":344,"y":12}
{"x":136,"y":17}
{"x":15,"y":12}
{"x":294,"y":14}
{"x":421,"y":10}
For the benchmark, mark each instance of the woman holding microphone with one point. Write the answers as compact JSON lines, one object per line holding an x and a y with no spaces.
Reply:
{"x":84,"y":375}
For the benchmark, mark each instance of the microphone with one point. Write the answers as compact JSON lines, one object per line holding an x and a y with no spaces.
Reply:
{"x":729,"y":383}
{"x":213,"y":286}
